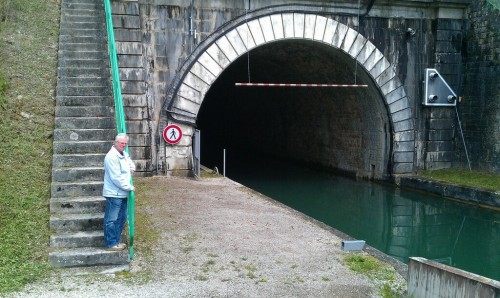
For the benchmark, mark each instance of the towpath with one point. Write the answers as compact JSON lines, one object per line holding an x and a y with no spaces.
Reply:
{"x":217,"y":238}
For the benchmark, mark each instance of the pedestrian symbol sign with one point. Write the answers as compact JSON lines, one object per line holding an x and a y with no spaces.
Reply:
{"x":172,"y":134}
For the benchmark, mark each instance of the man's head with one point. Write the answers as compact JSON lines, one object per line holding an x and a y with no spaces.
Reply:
{"x":121,"y":142}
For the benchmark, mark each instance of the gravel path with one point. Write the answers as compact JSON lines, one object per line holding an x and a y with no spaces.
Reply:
{"x":220,"y":239}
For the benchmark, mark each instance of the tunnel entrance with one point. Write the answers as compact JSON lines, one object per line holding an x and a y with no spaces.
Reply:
{"x":343,"y":129}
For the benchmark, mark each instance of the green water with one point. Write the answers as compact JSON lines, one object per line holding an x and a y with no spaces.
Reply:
{"x":401,"y":223}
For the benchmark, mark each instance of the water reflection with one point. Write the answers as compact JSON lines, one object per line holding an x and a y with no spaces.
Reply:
{"x":398,"y":222}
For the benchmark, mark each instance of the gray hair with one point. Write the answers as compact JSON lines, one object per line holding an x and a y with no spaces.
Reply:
{"x":121,"y":136}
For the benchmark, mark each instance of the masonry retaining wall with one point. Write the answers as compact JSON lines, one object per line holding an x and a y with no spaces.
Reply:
{"x":480,"y":101}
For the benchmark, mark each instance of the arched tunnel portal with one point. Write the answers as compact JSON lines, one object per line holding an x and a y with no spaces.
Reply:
{"x":364,"y":131}
{"x":342,"y":128}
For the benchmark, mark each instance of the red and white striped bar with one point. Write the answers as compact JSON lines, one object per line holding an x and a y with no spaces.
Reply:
{"x":298,"y":85}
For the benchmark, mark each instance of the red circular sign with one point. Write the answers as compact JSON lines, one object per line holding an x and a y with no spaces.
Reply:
{"x":172,"y":134}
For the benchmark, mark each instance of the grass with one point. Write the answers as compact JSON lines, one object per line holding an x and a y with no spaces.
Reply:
{"x":362,"y":263}
{"x":29,"y":33}
{"x":143,"y":224}
{"x":487,"y":181}
{"x":3,"y":87}
{"x":381,"y":273}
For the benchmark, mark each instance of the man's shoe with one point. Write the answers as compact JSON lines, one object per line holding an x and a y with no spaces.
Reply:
{"x":116,"y":248}
{"x":122,"y":245}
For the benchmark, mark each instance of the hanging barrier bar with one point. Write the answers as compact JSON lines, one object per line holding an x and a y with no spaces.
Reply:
{"x":299,"y":85}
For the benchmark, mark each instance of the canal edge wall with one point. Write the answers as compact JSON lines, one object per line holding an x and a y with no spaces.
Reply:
{"x":427,"y":278}
{"x":465,"y":194}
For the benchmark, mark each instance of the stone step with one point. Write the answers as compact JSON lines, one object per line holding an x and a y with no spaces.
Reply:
{"x":84,"y":10}
{"x":93,"y":2}
{"x":82,"y":39}
{"x":78,"y":239}
{"x":74,"y":189}
{"x":87,"y":256}
{"x":73,"y":135}
{"x":83,"y":60}
{"x":77,"y":174}
{"x":68,"y":6}
{"x":88,"y":25}
{"x":70,"y":90}
{"x":73,"y":222}
{"x":95,"y":111}
{"x":85,"y":123}
{"x":84,"y":100}
{"x":97,"y":46}
{"x":101,"y":269}
{"x":81,"y":32}
{"x":77,"y":205}
{"x":83,"y":47}
{"x":88,"y":16}
{"x":85,"y":82}
{"x":83,"y":73}
{"x":92,"y":147}
{"x":78,"y":160}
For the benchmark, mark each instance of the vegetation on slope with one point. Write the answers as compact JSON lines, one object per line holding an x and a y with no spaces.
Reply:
{"x":29,"y":31}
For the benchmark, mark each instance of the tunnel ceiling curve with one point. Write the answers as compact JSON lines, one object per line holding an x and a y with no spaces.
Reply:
{"x":340,"y":128}
{"x":335,"y":121}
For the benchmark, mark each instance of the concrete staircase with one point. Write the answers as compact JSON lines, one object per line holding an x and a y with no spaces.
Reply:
{"x":84,"y":131}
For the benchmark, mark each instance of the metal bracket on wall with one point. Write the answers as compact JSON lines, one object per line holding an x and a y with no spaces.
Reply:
{"x":437,"y":91}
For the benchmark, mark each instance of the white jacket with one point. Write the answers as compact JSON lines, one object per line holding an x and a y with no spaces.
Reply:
{"x":117,"y":174}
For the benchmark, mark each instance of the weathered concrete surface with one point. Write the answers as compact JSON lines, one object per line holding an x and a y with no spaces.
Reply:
{"x":431,"y":279}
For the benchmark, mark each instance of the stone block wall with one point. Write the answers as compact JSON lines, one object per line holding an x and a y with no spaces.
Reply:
{"x":441,"y":122}
{"x":479,"y":108}
{"x":155,"y":37}
{"x":133,"y":76}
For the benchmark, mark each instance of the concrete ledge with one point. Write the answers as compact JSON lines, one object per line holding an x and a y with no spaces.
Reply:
{"x":431,"y":279}
{"x":468,"y":194}
{"x":87,"y":256}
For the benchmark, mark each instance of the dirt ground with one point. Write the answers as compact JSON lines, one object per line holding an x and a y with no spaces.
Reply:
{"x":216,"y":238}
{"x":226,"y":240}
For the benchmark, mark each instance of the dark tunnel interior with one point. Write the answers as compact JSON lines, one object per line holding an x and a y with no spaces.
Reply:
{"x":343,"y":129}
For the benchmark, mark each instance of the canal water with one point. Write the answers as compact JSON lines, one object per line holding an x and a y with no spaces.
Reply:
{"x":398,"y":222}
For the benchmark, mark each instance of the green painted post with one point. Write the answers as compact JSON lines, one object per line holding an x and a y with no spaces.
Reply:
{"x":120,"y":115}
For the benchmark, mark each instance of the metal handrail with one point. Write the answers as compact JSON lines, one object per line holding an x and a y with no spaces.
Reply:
{"x":120,"y":115}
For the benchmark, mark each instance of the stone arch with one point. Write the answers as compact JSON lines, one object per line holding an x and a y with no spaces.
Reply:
{"x":187,"y":93}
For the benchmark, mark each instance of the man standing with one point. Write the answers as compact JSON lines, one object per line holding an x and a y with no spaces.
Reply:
{"x":118,"y":169}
